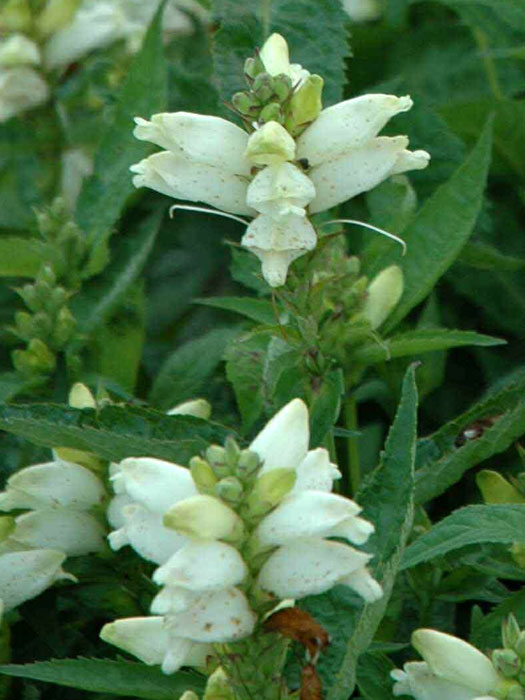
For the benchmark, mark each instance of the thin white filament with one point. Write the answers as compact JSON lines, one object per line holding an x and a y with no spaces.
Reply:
{"x":372,"y":228}
{"x":206,"y":210}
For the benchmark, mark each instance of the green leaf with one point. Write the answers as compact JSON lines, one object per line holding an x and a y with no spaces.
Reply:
{"x":441,"y":462}
{"x":437,"y":233}
{"x":258,"y":310}
{"x":185,"y":371}
{"x":114,"y":432}
{"x":20,"y":257}
{"x":105,"y":193}
{"x":470,"y":525}
{"x":482,"y":256}
{"x":373,"y":676}
{"x":11,"y":384}
{"x":317,"y":40}
{"x":486,"y":632}
{"x":387,"y":500}
{"x":122,"y":678}
{"x":101,"y":297}
{"x":325,"y":406}
{"x":419,"y":341}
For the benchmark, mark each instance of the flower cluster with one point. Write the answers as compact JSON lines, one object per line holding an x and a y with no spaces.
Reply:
{"x":21,"y":85}
{"x":235,"y":534}
{"x":298,"y":160}
{"x":456,"y":670}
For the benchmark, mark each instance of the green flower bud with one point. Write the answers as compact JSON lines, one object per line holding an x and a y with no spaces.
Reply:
{"x":81,"y":397}
{"x":55,"y":15}
{"x":518,"y":553}
{"x":59,"y":297}
{"x":205,"y":517}
{"x":271,"y":113}
{"x":30,"y":297}
{"x":252,"y":68}
{"x":203,"y":475}
{"x":85,"y":459}
{"x":232,"y":453}
{"x":15,"y":16}
{"x":507,"y":662}
{"x":269,"y":490}
{"x":218,"y":686}
{"x":42,"y":325}
{"x":510,"y":632}
{"x":263,"y":87}
{"x":282,"y":86}
{"x":384,"y":291}
{"x":246,"y":104}
{"x":519,"y":646}
{"x":189,"y":695}
{"x":64,"y":327}
{"x":37,"y":359}
{"x":216,"y":456}
{"x":270,"y":145}
{"x":248,"y":464}
{"x":305,"y":105}
{"x":24,"y":325}
{"x":495,"y":489}
{"x":515,"y":692}
{"x":230,"y":490}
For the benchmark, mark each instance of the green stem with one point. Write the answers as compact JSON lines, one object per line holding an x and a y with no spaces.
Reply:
{"x":266,"y":6}
{"x":490,"y":69}
{"x":351,"y":423}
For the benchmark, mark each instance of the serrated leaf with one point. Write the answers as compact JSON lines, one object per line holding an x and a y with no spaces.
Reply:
{"x":437,"y":233}
{"x":20,"y":257}
{"x":486,"y":632}
{"x":420,"y":341}
{"x":105,"y":193}
{"x":325,"y":406}
{"x":373,"y":677}
{"x":185,"y":371}
{"x":258,"y":310}
{"x":470,"y":525}
{"x":114,"y":432}
{"x":387,"y":500}
{"x":317,"y":40}
{"x":122,"y":678}
{"x":441,"y":462}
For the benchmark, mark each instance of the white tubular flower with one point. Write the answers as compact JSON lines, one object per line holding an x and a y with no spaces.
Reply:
{"x":310,"y":566}
{"x":204,"y":517}
{"x":154,"y":483}
{"x":69,"y":531}
{"x":276,"y":59}
{"x":200,"y":408}
{"x":21,"y":88}
{"x":417,"y":679}
{"x":148,"y":639}
{"x":313,"y":514}
{"x":362,"y":10}
{"x":57,"y":484}
{"x":144,"y":531}
{"x":18,"y":50}
{"x":315,"y":472}
{"x":279,"y":190}
{"x":24,"y":575}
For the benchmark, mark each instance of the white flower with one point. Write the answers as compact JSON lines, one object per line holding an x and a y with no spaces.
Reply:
{"x":148,"y":639}
{"x":311,"y":565}
{"x":21,"y":88}
{"x":200,"y":408}
{"x":452,"y":668}
{"x":18,"y":50}
{"x":69,"y":531}
{"x":24,"y":575}
{"x":362,"y":10}
{"x":56,"y":484}
{"x":211,"y":160}
{"x":144,"y":530}
{"x":313,"y":514}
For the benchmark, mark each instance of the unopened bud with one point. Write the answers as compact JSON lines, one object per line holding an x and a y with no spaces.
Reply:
{"x":81,"y":397}
{"x":230,"y":490}
{"x":189,"y":695}
{"x":510,"y":632}
{"x":216,"y":456}
{"x":245,"y":103}
{"x":24,"y":325}
{"x":37,"y":359}
{"x":218,"y":687}
{"x":517,"y":552}
{"x":248,"y":464}
{"x":200,"y":408}
{"x":231,"y":453}
{"x":507,"y":662}
{"x":55,"y":15}
{"x":271,"y":113}
{"x":17,"y":50}
{"x":205,"y":517}
{"x":519,"y":646}
{"x":252,"y":67}
{"x":263,"y":87}
{"x":305,"y":105}
{"x":7,"y":525}
{"x":515,"y":692}
{"x":496,"y":489}
{"x":64,"y":327}
{"x":282,"y":86}
{"x":15,"y":16}
{"x":384,"y":291}
{"x":270,"y":145}
{"x":203,"y":475}
{"x":270,"y":489}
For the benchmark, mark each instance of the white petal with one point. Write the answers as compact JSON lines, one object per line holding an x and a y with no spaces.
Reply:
{"x":455,"y":660}
{"x":410,"y":160}
{"x":417,"y":680}
{"x":222,"y":616}
{"x":279,"y":190}
{"x":362,"y":582}
{"x":69,"y":531}
{"x":271,"y":144}
{"x":201,"y":138}
{"x":24,"y":575}
{"x":310,"y":514}
{"x":203,"y":566}
{"x":173,"y":599}
{"x":53,"y":485}
{"x":309,"y":566}
{"x":115,"y":510}
{"x":283,"y":442}
{"x":21,"y":88}
{"x":145,"y":532}
{"x":359,"y":171}
{"x":17,"y":50}
{"x":180,"y":178}
{"x":316,"y":472}
{"x":144,"y":637}
{"x":348,"y":125}
{"x":77,"y":165}
{"x":183,"y":652}
{"x":155,"y":483}
{"x":275,"y":55}
{"x":278,"y":242}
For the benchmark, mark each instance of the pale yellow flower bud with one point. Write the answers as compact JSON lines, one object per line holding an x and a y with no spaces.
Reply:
{"x":270,"y":145}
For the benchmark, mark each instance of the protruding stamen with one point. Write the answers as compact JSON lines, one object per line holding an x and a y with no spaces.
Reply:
{"x":372,"y":228}
{"x":207,"y":210}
